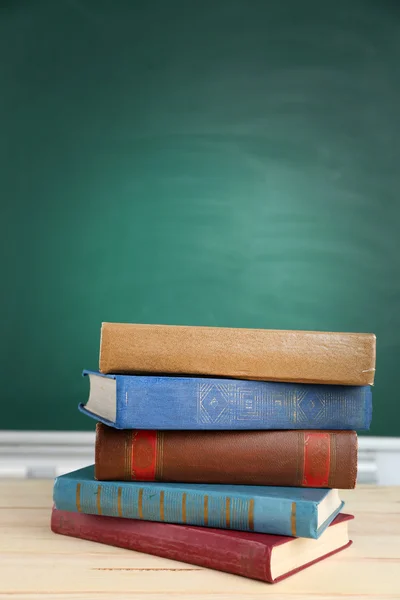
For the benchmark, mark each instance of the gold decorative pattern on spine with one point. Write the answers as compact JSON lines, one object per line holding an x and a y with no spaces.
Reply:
{"x":300,"y":458}
{"x":78,"y":497}
{"x":128,"y":456}
{"x":206,"y":510}
{"x":99,"y":500}
{"x":140,"y":503}
{"x":184,"y":507}
{"x":243,"y":518}
{"x":332,"y":461}
{"x":293,"y":519}
{"x":161,"y":506}
{"x":159,"y":455}
{"x":251,"y":514}
{"x":228,"y":512}
{"x":120,"y":502}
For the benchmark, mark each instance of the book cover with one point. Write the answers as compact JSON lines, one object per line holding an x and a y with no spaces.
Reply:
{"x":251,"y":555}
{"x":296,"y":512}
{"x":265,"y":354}
{"x":325,"y":459}
{"x":162,"y":402}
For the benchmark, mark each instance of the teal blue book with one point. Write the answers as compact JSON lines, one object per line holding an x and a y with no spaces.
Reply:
{"x":296,"y":512}
{"x":166,"y":402}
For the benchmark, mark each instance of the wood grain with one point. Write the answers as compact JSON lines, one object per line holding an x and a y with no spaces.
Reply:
{"x":35,"y":563}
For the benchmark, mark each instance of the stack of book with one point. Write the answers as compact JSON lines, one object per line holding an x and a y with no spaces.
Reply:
{"x":221,"y":447}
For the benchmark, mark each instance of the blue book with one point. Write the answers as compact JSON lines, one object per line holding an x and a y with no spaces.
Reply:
{"x":296,"y":512}
{"x":155,"y":402}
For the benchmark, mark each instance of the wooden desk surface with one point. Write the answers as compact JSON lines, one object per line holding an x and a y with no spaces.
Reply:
{"x":37,"y":564}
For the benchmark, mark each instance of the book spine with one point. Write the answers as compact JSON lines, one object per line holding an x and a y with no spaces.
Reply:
{"x":217,"y":404}
{"x":304,"y":458}
{"x":177,"y":505}
{"x":268,"y":355}
{"x":247,"y":558}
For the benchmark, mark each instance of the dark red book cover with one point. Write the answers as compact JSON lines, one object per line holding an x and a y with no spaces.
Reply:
{"x":238,"y":552}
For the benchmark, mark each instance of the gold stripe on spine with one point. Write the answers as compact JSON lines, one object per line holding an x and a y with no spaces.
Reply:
{"x":293,"y":519}
{"x":78,"y":497}
{"x":300,"y":458}
{"x":184,"y":507}
{"x":159,"y":455}
{"x":128,"y":456}
{"x":161,"y":506}
{"x":99,"y":500}
{"x":140,"y":503}
{"x":125,"y":454}
{"x":251,"y":515}
{"x":237,"y":512}
{"x":120,"y":502}
{"x":332,"y":461}
{"x":205,"y":513}
{"x":228,"y":512}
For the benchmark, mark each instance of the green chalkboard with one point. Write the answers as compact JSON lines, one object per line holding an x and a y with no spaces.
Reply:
{"x":225,"y":162}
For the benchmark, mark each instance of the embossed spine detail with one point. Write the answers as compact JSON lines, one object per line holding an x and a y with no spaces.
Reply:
{"x":128,"y":455}
{"x":143,"y":458}
{"x":333,"y":460}
{"x":293,"y":519}
{"x":98,"y":500}
{"x":159,"y":456}
{"x":285,"y":405}
{"x":206,"y":510}
{"x":300,"y":459}
{"x":184,"y":507}
{"x":316,"y":459}
{"x":78,"y":497}
{"x":119,"y":502}
{"x":162,"y":514}
{"x":140,"y":503}
{"x":251,"y":514}
{"x":228,"y":513}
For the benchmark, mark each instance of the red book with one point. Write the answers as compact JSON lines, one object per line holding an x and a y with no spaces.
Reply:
{"x":269,"y":558}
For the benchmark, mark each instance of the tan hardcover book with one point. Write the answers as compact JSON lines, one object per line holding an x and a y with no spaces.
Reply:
{"x":265,"y":354}
{"x":302,"y":458}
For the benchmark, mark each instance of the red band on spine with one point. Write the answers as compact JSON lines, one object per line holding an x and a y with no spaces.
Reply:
{"x":144,"y":455}
{"x":317,"y":454}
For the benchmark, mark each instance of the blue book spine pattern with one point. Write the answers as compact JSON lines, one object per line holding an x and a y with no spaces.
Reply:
{"x":193,"y":505}
{"x":151,"y":402}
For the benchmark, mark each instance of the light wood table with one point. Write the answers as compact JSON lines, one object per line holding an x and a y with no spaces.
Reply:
{"x":37,"y":564}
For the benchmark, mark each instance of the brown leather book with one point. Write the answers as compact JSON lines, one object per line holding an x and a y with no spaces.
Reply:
{"x":326,"y":459}
{"x":269,"y":355}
